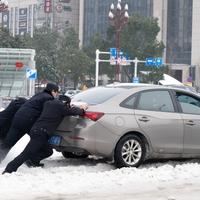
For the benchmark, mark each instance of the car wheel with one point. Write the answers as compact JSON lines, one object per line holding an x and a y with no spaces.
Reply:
{"x":129,"y":152}
{"x":74,"y":155}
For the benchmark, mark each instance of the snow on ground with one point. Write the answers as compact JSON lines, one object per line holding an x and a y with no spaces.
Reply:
{"x":94,"y":179}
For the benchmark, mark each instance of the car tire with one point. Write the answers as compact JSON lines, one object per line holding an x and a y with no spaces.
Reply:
{"x":74,"y":155}
{"x":129,"y":152}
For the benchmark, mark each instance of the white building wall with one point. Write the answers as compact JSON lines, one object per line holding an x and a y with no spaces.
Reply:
{"x":81,"y":22}
{"x":58,"y":19}
{"x":195,"y":55}
{"x":184,"y":68}
{"x":62,"y":18}
{"x":15,"y":22}
{"x":196,"y":33}
{"x":21,"y":3}
{"x":160,"y":12}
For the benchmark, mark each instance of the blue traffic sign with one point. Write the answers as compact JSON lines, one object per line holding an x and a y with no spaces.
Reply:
{"x":113,"y":52}
{"x":159,"y":61}
{"x":31,"y":74}
{"x":135,"y":79}
{"x":154,"y":62}
{"x":118,"y":57}
{"x":149,"y":61}
{"x":113,"y":56}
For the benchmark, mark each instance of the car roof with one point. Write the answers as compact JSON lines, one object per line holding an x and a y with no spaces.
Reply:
{"x":144,"y":86}
{"x":128,"y":85}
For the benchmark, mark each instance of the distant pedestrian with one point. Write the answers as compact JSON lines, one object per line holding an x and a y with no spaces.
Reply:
{"x":26,"y":116}
{"x":52,"y":115}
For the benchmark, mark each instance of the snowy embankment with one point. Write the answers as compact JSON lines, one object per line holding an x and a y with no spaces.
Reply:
{"x":94,"y":179}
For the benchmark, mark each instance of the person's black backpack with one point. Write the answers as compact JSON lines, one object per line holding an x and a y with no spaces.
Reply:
{"x":7,"y":115}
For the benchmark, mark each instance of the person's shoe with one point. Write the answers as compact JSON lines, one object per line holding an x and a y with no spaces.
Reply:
{"x":6,"y":172}
{"x":30,"y":163}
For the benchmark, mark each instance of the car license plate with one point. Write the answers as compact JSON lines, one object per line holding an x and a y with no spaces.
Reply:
{"x":55,"y":140}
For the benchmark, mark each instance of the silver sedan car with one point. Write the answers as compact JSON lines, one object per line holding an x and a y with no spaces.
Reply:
{"x":128,"y":125}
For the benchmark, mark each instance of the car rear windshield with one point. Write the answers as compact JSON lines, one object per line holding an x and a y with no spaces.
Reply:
{"x":97,"y":95}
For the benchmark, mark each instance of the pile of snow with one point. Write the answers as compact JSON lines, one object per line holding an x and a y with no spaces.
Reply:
{"x":168,"y":80}
{"x":94,"y":179}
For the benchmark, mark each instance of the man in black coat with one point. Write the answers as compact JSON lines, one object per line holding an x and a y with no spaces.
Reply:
{"x":26,"y":116}
{"x":7,"y":115}
{"x":52,"y":115}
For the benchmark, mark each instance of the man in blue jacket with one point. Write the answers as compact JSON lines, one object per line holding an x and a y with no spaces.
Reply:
{"x":26,"y":116}
{"x":52,"y":115}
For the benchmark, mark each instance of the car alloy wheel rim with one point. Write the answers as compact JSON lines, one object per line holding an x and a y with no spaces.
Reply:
{"x":131,"y":152}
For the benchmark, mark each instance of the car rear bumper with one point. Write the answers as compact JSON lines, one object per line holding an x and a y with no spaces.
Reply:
{"x":89,"y":137}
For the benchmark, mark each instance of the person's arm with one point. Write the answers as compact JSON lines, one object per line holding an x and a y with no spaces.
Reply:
{"x":74,"y":110}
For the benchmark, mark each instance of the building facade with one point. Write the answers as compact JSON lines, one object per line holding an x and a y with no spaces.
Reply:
{"x":178,"y":21}
{"x":95,"y":14}
{"x":19,"y":18}
{"x":23,"y":16}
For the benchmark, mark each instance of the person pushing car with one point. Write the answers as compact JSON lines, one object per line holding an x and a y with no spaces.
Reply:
{"x":53,"y":113}
{"x":26,"y":116}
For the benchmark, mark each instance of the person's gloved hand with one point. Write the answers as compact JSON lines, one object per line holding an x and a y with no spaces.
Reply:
{"x":84,"y":106}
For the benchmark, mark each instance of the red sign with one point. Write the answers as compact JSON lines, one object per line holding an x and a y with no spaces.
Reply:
{"x":47,"y":6}
{"x":19,"y":64}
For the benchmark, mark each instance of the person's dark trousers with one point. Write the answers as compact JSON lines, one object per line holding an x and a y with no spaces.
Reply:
{"x":36,"y":148}
{"x":16,"y":132}
{"x":14,"y":135}
{"x":43,"y":153}
{"x":4,"y":130}
{"x":20,"y":126}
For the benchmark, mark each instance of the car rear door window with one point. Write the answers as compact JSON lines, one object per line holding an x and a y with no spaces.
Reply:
{"x":129,"y":102}
{"x":189,"y":104}
{"x":155,"y":101}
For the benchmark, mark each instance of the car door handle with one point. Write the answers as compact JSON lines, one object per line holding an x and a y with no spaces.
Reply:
{"x":190,"y":123}
{"x":144,"y":119}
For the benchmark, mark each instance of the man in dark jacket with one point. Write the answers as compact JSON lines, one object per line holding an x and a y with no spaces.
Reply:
{"x":26,"y":116}
{"x":52,"y":115}
{"x":7,"y":115}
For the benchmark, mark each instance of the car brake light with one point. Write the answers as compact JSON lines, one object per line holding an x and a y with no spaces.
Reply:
{"x":76,"y":138}
{"x":93,"y":115}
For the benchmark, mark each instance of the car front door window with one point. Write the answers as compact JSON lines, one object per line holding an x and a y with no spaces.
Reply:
{"x":189,"y":104}
{"x":156,"y":101}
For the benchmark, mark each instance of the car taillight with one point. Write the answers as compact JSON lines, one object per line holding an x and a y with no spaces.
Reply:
{"x":93,"y":115}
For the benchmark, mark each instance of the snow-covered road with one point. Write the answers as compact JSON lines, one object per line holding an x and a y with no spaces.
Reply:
{"x":93,"y":179}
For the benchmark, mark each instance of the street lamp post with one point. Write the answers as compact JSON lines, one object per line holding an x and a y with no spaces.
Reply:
{"x":118,"y":17}
{"x":3,"y":5}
